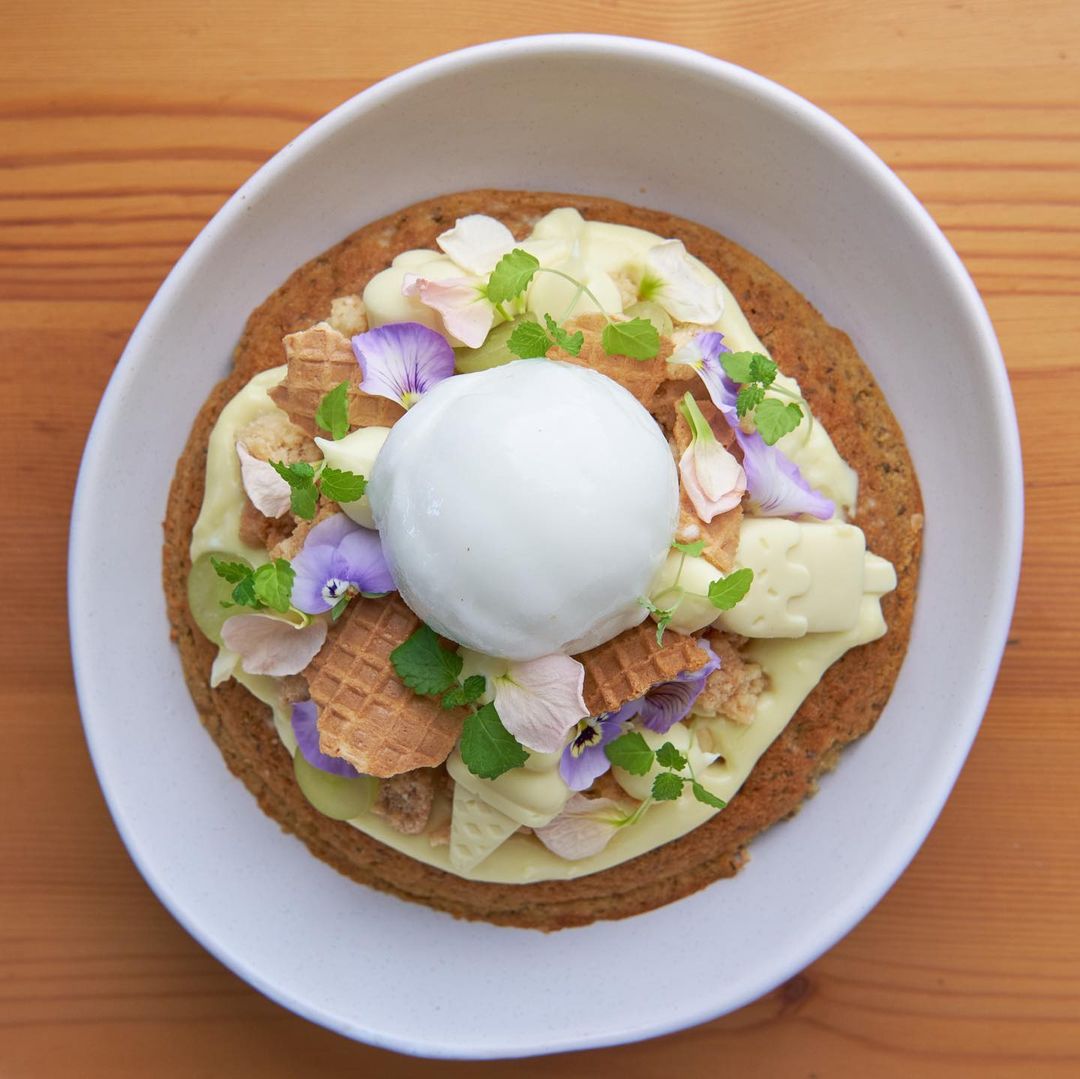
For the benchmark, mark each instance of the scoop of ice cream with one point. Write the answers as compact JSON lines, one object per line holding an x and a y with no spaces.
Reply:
{"x":525,"y":509}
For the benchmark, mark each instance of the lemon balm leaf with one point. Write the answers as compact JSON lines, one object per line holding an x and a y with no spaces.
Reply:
{"x":727,"y":591}
{"x":511,"y":276}
{"x":529,"y":341}
{"x":342,"y":486}
{"x":424,"y":665}
{"x":667,"y":786}
{"x":636,"y":339}
{"x":333,"y":412}
{"x":706,"y":797}
{"x":487,"y":747}
{"x":272,"y":583}
{"x":569,"y":342}
{"x":631,"y":753}
{"x":774,"y":419}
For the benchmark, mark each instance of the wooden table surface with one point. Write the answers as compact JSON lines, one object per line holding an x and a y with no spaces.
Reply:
{"x":124,"y":126}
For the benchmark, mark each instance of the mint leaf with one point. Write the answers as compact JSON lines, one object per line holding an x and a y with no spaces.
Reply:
{"x":471,"y":690}
{"x":333,"y":412}
{"x":300,"y":477}
{"x":295,"y":473}
{"x":774,"y":419}
{"x":726,"y":592}
{"x":707,"y":796}
{"x":749,"y":397}
{"x":737,"y":365}
{"x":244,"y":593}
{"x":631,"y":753}
{"x":231,"y":571}
{"x":529,"y":341}
{"x":667,"y":786}
{"x":667,"y":756}
{"x":424,"y":665}
{"x":273,"y":584}
{"x":341,"y":486}
{"x":487,"y":747}
{"x":568,"y":342}
{"x":636,"y":339}
{"x":511,"y":275}
{"x":693,"y":549}
{"x":762,"y":369}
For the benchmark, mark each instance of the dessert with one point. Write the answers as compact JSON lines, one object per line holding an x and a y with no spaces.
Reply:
{"x":542,"y":577}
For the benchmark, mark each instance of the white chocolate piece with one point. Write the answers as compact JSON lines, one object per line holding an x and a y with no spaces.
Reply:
{"x":476,"y":829}
{"x":531,"y":795}
{"x":808,"y":578}
{"x":355,"y":453}
{"x":385,"y":303}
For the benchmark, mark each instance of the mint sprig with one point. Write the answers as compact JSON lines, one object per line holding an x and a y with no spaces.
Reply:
{"x":634,"y":755}
{"x":511,"y":276}
{"x":755,"y":374}
{"x":425,"y":664}
{"x":568,"y":342}
{"x":306,"y":481}
{"x":637,"y":339}
{"x":270,"y":585}
{"x":529,"y":340}
{"x":729,"y":590}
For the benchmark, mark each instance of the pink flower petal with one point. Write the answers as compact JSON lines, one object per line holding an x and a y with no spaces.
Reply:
{"x":476,"y":243}
{"x":268,"y":492}
{"x":583,"y":828}
{"x":539,"y":701}
{"x":270,"y":645}
{"x":466,"y":313}
{"x":713,"y":478}
{"x":685,"y":293}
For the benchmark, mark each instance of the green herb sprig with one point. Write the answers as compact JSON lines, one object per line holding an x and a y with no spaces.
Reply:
{"x":636,"y":338}
{"x":755,"y":374}
{"x":634,"y":755}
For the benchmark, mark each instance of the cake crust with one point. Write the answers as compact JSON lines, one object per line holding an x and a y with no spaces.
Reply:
{"x":845,"y":704}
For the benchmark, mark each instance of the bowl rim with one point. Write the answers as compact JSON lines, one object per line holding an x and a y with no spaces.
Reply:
{"x":830,"y":130}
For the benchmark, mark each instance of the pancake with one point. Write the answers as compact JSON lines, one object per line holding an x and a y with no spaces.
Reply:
{"x":845,"y":705}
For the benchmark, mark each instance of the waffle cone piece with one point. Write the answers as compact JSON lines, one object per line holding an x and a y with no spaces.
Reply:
{"x":642,"y":378}
{"x":319,"y":359}
{"x":367,"y":715}
{"x":627,"y":666}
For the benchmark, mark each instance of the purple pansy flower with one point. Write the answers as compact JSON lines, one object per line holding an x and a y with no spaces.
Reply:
{"x":775,"y":483}
{"x":583,"y":760}
{"x":339,"y":558}
{"x":402,"y":360}
{"x":305,"y":716}
{"x":669,"y":702}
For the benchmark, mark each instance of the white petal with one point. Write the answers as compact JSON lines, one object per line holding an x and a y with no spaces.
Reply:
{"x":466,"y":315}
{"x":270,"y":645}
{"x":723,"y":487}
{"x":582,"y":829}
{"x":477,"y":242}
{"x":268,"y":492}
{"x":540,"y":700}
{"x":685,"y":293}
{"x":225,"y":664}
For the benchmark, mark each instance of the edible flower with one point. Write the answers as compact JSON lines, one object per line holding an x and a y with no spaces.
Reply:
{"x":672,"y":280}
{"x":338,"y":560}
{"x":268,"y":492}
{"x":777,"y":487}
{"x":269,"y":644}
{"x":476,"y":243}
{"x":712,"y":477}
{"x":702,"y":352}
{"x":670,"y":702}
{"x":583,"y":760}
{"x":305,"y":715}
{"x":402,"y":361}
{"x":540,"y":700}
{"x":583,"y":828}
{"x":462,"y":302}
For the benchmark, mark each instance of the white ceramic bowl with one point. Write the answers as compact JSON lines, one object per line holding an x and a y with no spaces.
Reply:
{"x":650,"y":124}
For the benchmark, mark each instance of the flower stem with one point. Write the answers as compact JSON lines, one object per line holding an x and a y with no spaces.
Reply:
{"x":581,"y":287}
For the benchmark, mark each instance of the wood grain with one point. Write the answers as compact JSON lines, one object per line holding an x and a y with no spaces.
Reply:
{"x":124,"y":127}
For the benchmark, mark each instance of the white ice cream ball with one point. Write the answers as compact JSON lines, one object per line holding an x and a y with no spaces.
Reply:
{"x":524,"y":510}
